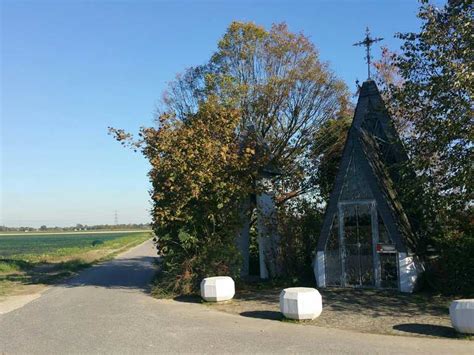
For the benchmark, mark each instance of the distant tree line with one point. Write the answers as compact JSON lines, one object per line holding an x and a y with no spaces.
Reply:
{"x":78,"y":227}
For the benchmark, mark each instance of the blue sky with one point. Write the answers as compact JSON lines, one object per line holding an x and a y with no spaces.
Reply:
{"x":70,"y":69}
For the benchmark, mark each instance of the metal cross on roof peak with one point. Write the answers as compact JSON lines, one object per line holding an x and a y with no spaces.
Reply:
{"x":367,"y":42}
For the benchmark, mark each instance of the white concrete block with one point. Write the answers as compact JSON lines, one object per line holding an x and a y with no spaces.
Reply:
{"x":300,"y":303}
{"x":462,"y":315}
{"x":218,"y":288}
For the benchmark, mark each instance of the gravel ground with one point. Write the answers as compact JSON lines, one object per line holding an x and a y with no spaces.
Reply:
{"x":367,"y":311}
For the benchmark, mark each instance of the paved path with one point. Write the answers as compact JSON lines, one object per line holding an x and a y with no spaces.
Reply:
{"x":107,"y":310}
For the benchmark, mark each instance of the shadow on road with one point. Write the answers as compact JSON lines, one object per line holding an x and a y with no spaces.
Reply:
{"x":127,"y":273}
{"x":427,"y":329}
{"x":272,"y":315}
{"x":188,"y":299}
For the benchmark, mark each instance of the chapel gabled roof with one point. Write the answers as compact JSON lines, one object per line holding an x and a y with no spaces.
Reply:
{"x":375,"y":119}
{"x":374,"y":143}
{"x":387,"y":187}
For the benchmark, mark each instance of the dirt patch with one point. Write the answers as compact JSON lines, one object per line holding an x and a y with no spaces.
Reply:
{"x":369,"y":311}
{"x":8,"y":289}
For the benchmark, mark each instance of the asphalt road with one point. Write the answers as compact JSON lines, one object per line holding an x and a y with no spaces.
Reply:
{"x":106,"y":309}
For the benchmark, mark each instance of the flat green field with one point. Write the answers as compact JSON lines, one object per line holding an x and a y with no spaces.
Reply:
{"x":30,"y":261}
{"x":29,"y":245}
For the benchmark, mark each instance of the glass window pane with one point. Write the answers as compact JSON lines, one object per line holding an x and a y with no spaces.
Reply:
{"x":351,"y":259}
{"x":333,"y":239}
{"x":332,"y":255}
{"x":355,"y":185}
{"x":364,"y":220}
{"x":350,"y":224}
{"x":366,"y":265}
{"x":389,"y":273}
{"x":384,"y":237}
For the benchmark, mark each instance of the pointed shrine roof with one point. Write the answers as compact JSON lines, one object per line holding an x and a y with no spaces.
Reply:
{"x":374,"y":143}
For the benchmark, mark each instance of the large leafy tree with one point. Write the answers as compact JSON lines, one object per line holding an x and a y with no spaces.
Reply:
{"x":199,"y":172}
{"x":429,"y":89}
{"x":282,"y":89}
{"x":437,"y":68}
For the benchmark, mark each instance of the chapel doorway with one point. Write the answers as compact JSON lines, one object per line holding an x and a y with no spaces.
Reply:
{"x":358,"y":234}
